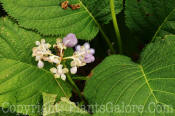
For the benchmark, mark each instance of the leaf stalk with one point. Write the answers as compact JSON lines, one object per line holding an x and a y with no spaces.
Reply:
{"x":119,"y":40}
{"x":101,"y":30}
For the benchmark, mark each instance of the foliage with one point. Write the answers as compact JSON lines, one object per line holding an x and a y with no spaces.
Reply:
{"x":22,"y":83}
{"x":146,"y":16}
{"x":62,"y":108}
{"x":47,"y":16}
{"x":119,"y":80}
{"x":137,"y":79}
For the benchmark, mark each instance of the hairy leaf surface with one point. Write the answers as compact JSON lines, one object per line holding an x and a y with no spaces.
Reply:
{"x":47,"y":16}
{"x":62,"y":108}
{"x":167,"y":27}
{"x":146,"y":16}
{"x":21,"y":81}
{"x":118,"y":82}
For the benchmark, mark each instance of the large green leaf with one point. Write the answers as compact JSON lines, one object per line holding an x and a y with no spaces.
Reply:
{"x":63,"y":108}
{"x":47,"y":16}
{"x":167,"y":27}
{"x":146,"y":16}
{"x":21,"y":81}
{"x":119,"y":82}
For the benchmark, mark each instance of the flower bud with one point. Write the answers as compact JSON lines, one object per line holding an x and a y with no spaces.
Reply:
{"x":78,"y":48}
{"x":92,"y":51}
{"x":63,"y":77}
{"x":89,"y":58}
{"x":86,"y":45}
{"x":70,"y":40}
{"x":40,"y":64}
{"x":73,"y":70}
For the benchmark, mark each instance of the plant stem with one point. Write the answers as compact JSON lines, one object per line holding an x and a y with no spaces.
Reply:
{"x":112,"y":6}
{"x":77,"y":90}
{"x":80,"y":78}
{"x":75,"y":86}
{"x":100,"y":28}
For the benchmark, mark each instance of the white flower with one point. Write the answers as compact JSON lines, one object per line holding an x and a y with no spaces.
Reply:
{"x":82,"y":55}
{"x":77,"y":62}
{"x":54,"y":59}
{"x":41,"y":51}
{"x":73,"y":70}
{"x":59,"y":44}
{"x":59,"y":72}
{"x":40,"y":64}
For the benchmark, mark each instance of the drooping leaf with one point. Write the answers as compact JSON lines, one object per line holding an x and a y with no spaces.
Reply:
{"x":47,"y":16}
{"x":21,"y":81}
{"x":119,"y":83}
{"x":62,"y":108}
{"x":146,"y":16}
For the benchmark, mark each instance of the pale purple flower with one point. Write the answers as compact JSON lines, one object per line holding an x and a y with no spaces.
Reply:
{"x":92,"y":51}
{"x":70,"y":40}
{"x":77,"y":48}
{"x":85,"y":53}
{"x":89,"y":58}
{"x":86,"y":45}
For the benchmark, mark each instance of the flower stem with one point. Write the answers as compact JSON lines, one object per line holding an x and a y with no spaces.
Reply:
{"x":112,"y":6}
{"x":75,"y":86}
{"x":80,"y":78}
{"x":77,"y":90}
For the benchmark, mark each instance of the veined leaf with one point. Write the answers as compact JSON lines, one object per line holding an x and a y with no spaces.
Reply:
{"x":63,"y":108}
{"x":167,"y":27}
{"x":21,"y":81}
{"x":47,"y":16}
{"x":146,"y":16}
{"x":119,"y":83}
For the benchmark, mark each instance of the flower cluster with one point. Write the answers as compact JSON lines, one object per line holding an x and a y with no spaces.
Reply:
{"x":81,"y":56}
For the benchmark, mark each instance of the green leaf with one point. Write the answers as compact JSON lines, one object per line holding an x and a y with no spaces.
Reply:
{"x":146,"y":16}
{"x":62,"y":108}
{"x":102,"y":114}
{"x":6,"y":112}
{"x":119,"y":83}
{"x":21,"y":81}
{"x":47,"y":16}
{"x":167,"y":27}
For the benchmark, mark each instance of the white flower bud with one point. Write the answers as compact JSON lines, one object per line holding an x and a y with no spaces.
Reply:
{"x":43,"y":41}
{"x":53,"y":70}
{"x":86,"y":45}
{"x":37,"y":43}
{"x":40,"y":64}
{"x":63,"y":77}
{"x":57,"y":76}
{"x":73,"y":70}
{"x":59,"y":72}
